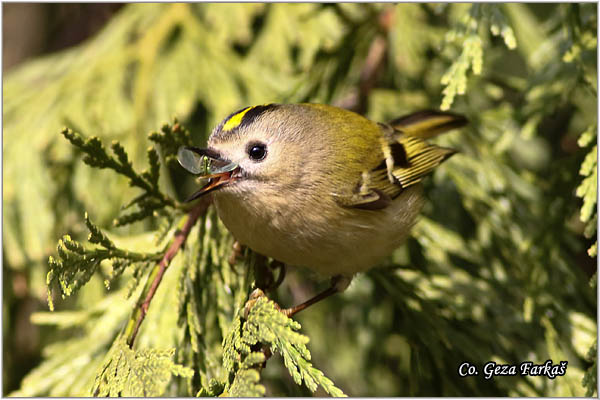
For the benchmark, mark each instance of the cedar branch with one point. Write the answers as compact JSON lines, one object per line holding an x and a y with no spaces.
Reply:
{"x":157,"y":274}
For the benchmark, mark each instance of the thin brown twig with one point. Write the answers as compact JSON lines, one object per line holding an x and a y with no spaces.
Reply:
{"x":159,"y":270}
{"x":373,"y":64}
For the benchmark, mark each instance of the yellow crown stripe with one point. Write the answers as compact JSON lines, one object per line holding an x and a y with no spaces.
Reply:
{"x":236,"y":119}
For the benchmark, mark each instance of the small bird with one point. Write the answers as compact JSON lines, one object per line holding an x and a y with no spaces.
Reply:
{"x":317,"y":186}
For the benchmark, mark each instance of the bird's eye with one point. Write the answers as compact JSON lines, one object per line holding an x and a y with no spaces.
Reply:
{"x":257,"y":151}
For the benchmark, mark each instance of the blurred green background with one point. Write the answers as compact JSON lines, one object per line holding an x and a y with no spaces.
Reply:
{"x":500,"y":267}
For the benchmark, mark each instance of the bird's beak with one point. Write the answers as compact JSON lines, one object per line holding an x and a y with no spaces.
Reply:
{"x":210,"y":165}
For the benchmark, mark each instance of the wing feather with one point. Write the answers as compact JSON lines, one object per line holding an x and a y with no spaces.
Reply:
{"x":406,"y":158}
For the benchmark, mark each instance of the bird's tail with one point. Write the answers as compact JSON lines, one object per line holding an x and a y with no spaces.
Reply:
{"x":428,"y":123}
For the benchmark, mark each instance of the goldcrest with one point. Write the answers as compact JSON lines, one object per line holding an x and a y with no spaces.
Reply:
{"x":318,"y":186}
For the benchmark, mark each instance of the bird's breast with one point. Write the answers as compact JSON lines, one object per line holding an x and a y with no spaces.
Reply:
{"x":321,"y":236}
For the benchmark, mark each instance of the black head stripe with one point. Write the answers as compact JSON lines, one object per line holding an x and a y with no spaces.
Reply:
{"x":241,"y":118}
{"x":254,"y":112}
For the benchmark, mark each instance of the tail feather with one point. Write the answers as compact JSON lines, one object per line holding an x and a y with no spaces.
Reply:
{"x":428,"y":123}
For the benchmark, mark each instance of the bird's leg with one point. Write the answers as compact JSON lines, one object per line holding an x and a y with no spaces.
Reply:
{"x":237,"y":251}
{"x":281,"y":267}
{"x":264,"y":273}
{"x":339,"y":283}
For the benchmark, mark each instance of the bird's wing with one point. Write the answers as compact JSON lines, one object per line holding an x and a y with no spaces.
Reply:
{"x":407,"y":158}
{"x":366,"y":194}
{"x":414,"y":158}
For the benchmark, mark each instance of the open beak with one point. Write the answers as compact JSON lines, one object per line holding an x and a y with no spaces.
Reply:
{"x":210,"y":165}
